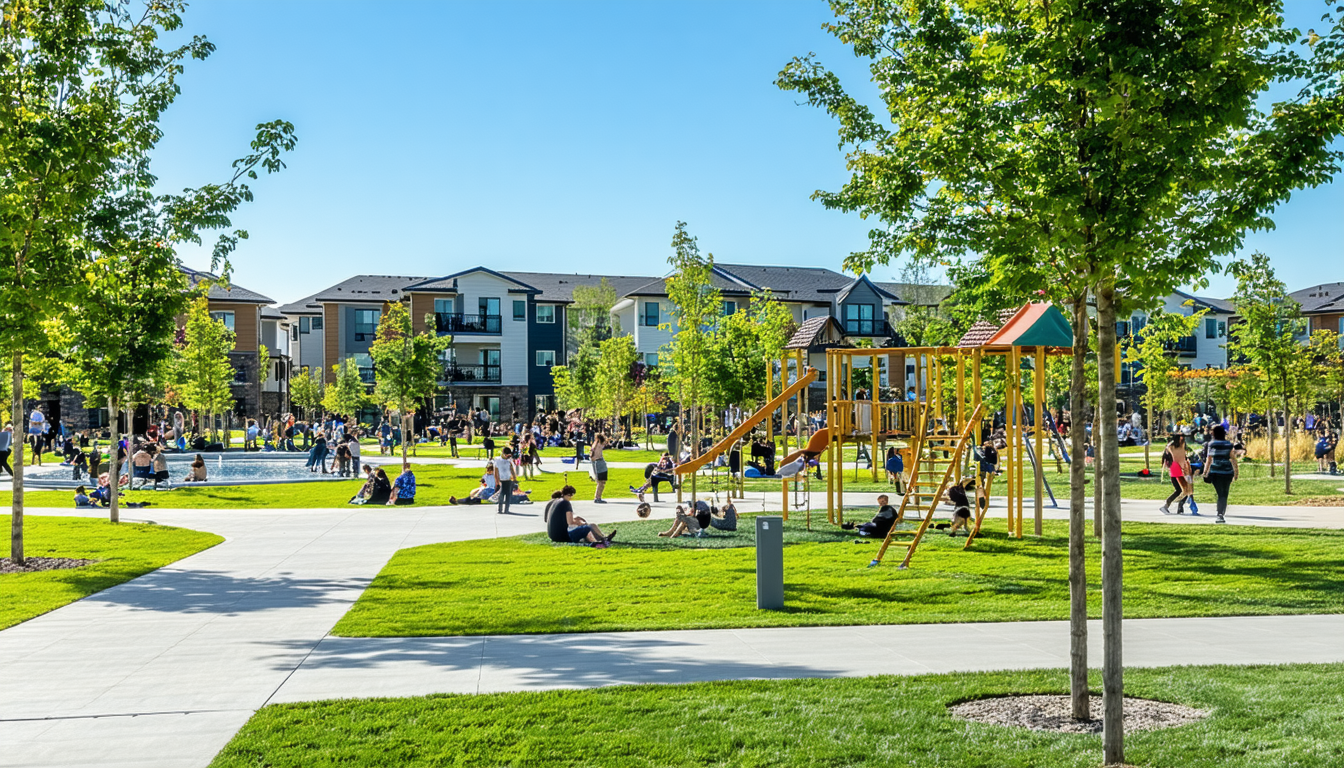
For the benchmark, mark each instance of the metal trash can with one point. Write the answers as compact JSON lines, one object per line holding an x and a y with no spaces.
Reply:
{"x":770,"y":562}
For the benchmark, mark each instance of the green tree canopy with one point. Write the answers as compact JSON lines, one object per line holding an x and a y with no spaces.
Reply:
{"x":406,"y":364}
{"x":347,"y":395}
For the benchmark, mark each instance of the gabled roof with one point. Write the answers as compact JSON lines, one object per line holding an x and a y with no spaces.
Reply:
{"x":1034,"y":325}
{"x":818,"y":331}
{"x":370,"y":288}
{"x":271,"y":313}
{"x":979,"y":333}
{"x":558,"y":288}
{"x":1326,"y":297}
{"x":1213,"y":305}
{"x":449,"y":282}
{"x":863,"y":280}
{"x":221,"y":291}
{"x":808,"y":285}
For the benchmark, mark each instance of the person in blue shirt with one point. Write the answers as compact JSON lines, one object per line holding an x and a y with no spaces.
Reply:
{"x":403,"y":488}
{"x":895,"y":469}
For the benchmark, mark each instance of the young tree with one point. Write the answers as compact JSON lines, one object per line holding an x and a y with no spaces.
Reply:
{"x":1267,"y":336}
{"x":615,"y":378}
{"x":1150,"y":350}
{"x":406,"y":365}
{"x":202,"y":373}
{"x":589,"y":316}
{"x":347,"y":395}
{"x":306,"y":391}
{"x":742,"y":345}
{"x":1069,"y":147}
{"x":696,"y":303}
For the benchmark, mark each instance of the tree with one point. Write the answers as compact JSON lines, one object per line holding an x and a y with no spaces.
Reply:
{"x":406,"y":365}
{"x":1150,"y":351}
{"x":696,"y":303}
{"x":1068,"y":146}
{"x":202,"y":373}
{"x":1327,"y":350}
{"x":1267,"y":336}
{"x":920,"y":322}
{"x":306,"y":391}
{"x":615,"y":378}
{"x":589,"y":316}
{"x":348,"y":394}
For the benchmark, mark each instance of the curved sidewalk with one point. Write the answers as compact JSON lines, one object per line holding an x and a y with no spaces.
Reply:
{"x":162,"y":670}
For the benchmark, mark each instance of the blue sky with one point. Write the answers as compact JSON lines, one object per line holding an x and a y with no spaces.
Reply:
{"x":564,"y":137}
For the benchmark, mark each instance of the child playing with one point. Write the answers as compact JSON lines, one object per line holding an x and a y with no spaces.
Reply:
{"x":82,"y":498}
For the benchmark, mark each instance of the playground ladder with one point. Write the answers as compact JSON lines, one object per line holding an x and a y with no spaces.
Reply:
{"x":929,"y":480}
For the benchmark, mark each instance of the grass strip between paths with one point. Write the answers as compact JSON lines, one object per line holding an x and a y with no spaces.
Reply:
{"x":1261,"y":717}
{"x":527,"y":585}
{"x":123,"y":551}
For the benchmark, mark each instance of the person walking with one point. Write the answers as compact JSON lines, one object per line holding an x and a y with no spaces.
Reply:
{"x":1177,"y":466}
{"x":6,"y":448}
{"x":1220,"y":469}
{"x":599,"y":467}
{"x":504,"y":480}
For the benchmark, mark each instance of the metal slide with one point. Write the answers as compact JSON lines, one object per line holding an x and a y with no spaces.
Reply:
{"x":747,"y":425}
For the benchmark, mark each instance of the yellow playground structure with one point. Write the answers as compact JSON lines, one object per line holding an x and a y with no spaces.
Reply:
{"x":933,"y":416}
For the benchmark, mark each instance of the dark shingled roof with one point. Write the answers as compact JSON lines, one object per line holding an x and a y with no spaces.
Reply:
{"x":814,"y":285}
{"x":558,"y":288}
{"x":1204,"y":302}
{"x":221,"y":292}
{"x":355,"y":289}
{"x":810,"y":334}
{"x":271,"y":313}
{"x":1327,"y":297}
{"x":978,"y":334}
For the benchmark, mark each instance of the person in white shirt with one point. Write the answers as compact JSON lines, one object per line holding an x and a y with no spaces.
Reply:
{"x":503,"y":467}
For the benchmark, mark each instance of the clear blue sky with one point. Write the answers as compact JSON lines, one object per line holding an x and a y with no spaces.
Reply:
{"x":548,"y":136}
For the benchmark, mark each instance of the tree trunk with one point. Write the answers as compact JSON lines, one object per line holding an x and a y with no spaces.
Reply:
{"x":1287,"y":448}
{"x":114,"y":515}
{"x":1147,"y":462}
{"x":1270,"y":425}
{"x":404,"y":433}
{"x":1112,"y":567}
{"x":1096,"y":471}
{"x":20,"y":432}
{"x":1078,"y":516}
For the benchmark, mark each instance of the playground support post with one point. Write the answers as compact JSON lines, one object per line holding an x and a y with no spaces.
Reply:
{"x":1039,"y":433}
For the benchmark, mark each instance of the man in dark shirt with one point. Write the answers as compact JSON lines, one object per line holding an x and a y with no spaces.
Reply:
{"x":882,"y":522}
{"x":565,"y":527}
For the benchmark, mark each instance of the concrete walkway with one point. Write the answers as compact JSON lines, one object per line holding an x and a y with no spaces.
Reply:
{"x":162,"y":670}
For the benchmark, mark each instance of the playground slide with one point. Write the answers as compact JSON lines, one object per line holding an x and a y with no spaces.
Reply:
{"x":747,"y":425}
{"x":815,"y":446}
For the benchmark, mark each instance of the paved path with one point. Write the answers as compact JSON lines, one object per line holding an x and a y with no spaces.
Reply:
{"x":162,"y":670}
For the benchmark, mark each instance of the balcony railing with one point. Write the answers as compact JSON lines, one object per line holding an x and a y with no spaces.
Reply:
{"x":452,"y":322}
{"x":1186,"y":346}
{"x":366,"y":375}
{"x":470,"y":374}
{"x":876,"y":327}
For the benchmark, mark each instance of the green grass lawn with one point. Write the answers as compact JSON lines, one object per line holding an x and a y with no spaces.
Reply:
{"x":527,"y":585}
{"x":124,"y":552}
{"x":435,"y":483}
{"x":1261,"y":717}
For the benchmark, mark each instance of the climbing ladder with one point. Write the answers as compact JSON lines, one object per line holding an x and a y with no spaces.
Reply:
{"x":930,"y":476}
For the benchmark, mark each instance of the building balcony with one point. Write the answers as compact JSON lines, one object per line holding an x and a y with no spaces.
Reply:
{"x":876,"y":328}
{"x":1186,"y":346}
{"x":454,"y":373}
{"x":451,"y":322}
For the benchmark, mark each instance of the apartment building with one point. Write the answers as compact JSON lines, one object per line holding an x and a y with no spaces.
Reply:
{"x":1323,"y":307}
{"x":241,"y":311}
{"x":1207,"y":346}
{"x":275,"y":336}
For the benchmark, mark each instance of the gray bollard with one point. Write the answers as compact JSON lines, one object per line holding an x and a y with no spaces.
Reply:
{"x":770,"y":562}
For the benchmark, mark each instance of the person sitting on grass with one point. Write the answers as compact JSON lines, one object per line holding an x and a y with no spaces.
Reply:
{"x":654,"y":474}
{"x":403,"y":490}
{"x":367,"y":489}
{"x":82,"y":498}
{"x":688,"y":522}
{"x":724,"y":519}
{"x":143,"y":467}
{"x":382,"y":488}
{"x":482,"y":496}
{"x":565,"y":527}
{"x":882,"y":522}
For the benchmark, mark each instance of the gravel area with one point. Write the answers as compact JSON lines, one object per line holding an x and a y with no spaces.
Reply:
{"x":31,"y":564}
{"x":1320,"y":501}
{"x":1054,"y":713}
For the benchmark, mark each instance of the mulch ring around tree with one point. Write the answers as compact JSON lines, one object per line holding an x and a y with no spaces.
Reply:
{"x":1320,"y":501}
{"x":32,"y":564}
{"x":1055,"y":713}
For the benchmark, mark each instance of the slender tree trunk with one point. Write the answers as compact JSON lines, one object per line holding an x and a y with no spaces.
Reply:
{"x":114,"y":515}
{"x":1078,"y":690}
{"x":1112,"y":566}
{"x":404,"y":433}
{"x":1147,"y":462}
{"x":1097,"y":453}
{"x":1287,"y":448}
{"x":1271,"y":426}
{"x":20,"y":433}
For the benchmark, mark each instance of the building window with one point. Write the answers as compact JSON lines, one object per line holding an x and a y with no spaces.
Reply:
{"x":544,"y":403}
{"x":279,"y":370}
{"x":366,"y":323}
{"x":239,"y":375}
{"x":304,"y":325}
{"x":859,"y":319}
{"x":317,"y":323}
{"x":224,"y":317}
{"x":488,"y":307}
{"x":1210,"y":328}
{"x":1136,"y":324}
{"x":519,"y":310}
{"x":650,"y":317}
{"x":651,"y":359}
{"x":443,"y":306}
{"x":293,"y":333}
{"x":545,"y":358}
{"x":545,"y":313}
{"x":729,"y":307}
